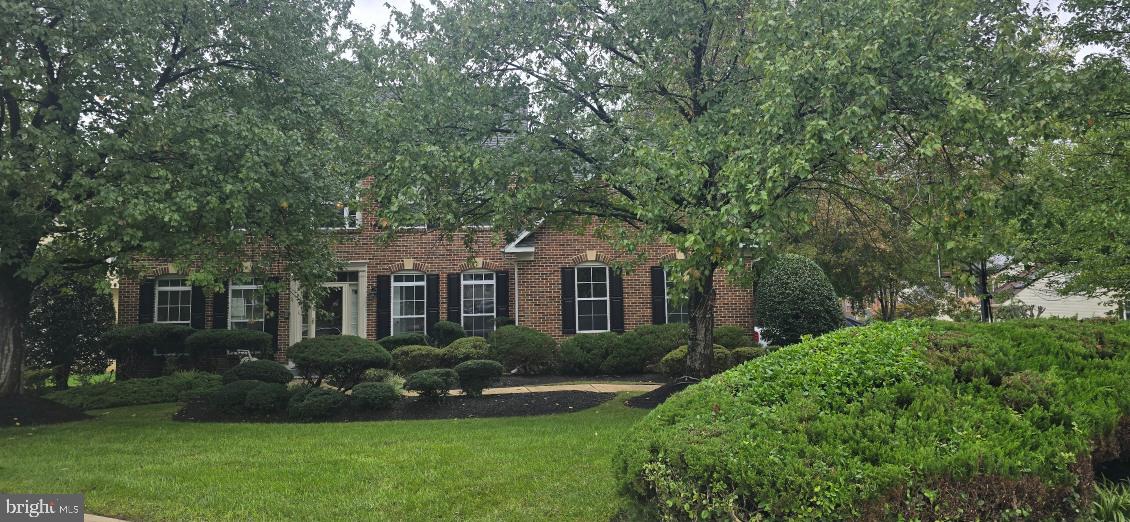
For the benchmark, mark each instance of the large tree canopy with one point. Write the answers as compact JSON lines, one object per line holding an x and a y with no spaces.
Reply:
{"x":187,"y":130}
{"x":700,"y":124}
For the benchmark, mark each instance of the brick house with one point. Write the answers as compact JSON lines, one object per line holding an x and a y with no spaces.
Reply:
{"x":557,"y":282}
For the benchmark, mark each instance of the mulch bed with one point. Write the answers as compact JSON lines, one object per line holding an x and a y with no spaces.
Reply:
{"x":656,"y":397}
{"x":537,"y":380}
{"x":416,"y":408}
{"x":26,"y":410}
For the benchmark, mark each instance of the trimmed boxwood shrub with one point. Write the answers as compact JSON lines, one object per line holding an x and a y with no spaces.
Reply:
{"x":375,"y":395}
{"x":341,"y":359}
{"x":476,"y":376}
{"x":742,"y":354}
{"x":231,"y":396}
{"x":132,"y":392}
{"x":411,"y":359}
{"x":219,"y":342}
{"x":308,"y":404}
{"x":393,"y":342}
{"x":880,"y":423}
{"x":675,"y":363}
{"x":732,"y":337}
{"x":136,"y":348}
{"x":444,"y":332}
{"x":260,"y":370}
{"x":266,"y":397}
{"x":465,"y":349}
{"x":795,"y":298}
{"x":583,"y":354}
{"x":523,"y":349}
{"x":634,"y":354}
{"x":433,"y":383}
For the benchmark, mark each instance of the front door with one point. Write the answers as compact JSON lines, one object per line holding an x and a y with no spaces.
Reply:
{"x":329,"y":318}
{"x":338,"y":313}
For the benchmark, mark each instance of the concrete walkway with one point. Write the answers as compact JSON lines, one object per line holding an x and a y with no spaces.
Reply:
{"x":98,"y":518}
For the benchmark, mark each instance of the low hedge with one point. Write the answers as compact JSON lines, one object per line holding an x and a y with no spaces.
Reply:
{"x":465,"y":349}
{"x":260,"y":370}
{"x":340,"y":359}
{"x":219,"y":342}
{"x":413,"y":358}
{"x":231,"y":396}
{"x":446,"y":332}
{"x":137,"y":349}
{"x":132,"y":392}
{"x":732,"y":337}
{"x":742,"y":354}
{"x":476,"y":376}
{"x":523,"y":349}
{"x":266,"y":397}
{"x":393,"y":342}
{"x":433,"y":383}
{"x":583,"y":354}
{"x":904,"y":420}
{"x":309,"y":404}
{"x":675,"y":363}
{"x":375,"y":395}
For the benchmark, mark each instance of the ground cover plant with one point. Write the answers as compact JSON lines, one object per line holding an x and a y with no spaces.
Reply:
{"x":137,"y":464}
{"x":109,"y":394}
{"x":905,"y":420}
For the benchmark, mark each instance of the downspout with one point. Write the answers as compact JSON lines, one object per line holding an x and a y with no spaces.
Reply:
{"x":515,"y":292}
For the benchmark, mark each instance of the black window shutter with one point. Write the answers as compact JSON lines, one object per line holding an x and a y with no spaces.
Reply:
{"x":454,"y":297}
{"x":197,"y":314}
{"x":431,"y":304}
{"x":658,"y":296}
{"x":271,"y":320}
{"x":568,"y":301}
{"x":146,"y":301}
{"x":615,"y":301}
{"x":382,"y":299}
{"x":220,"y":308}
{"x":502,"y":294}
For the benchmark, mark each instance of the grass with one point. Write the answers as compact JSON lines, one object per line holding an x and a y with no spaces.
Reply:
{"x":136,"y":463}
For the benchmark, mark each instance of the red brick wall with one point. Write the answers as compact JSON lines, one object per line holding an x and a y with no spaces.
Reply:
{"x":538,"y":280}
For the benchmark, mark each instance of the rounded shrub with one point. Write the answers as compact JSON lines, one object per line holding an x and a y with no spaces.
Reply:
{"x":583,"y":354}
{"x":220,"y":341}
{"x":732,"y":337}
{"x":433,"y":383}
{"x":393,"y":342}
{"x":465,"y":349}
{"x":523,"y":349}
{"x":476,"y":376}
{"x":444,"y":332}
{"x":742,"y":354}
{"x":675,"y":363}
{"x":267,"y":397}
{"x":413,"y":358}
{"x":632,"y":354}
{"x":231,"y":396}
{"x":260,"y":370}
{"x":341,"y":359}
{"x":375,"y":395}
{"x":309,"y":404}
{"x":795,"y":298}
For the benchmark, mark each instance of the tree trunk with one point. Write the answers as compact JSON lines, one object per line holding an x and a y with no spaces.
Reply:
{"x":61,"y":374}
{"x":983,"y":293}
{"x":700,"y":347}
{"x":15,"y":301}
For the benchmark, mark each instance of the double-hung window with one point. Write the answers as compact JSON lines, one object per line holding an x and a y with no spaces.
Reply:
{"x":246,"y":306}
{"x":592,"y":298}
{"x":174,"y":300}
{"x":409,"y":303}
{"x":478,"y":303}
{"x":677,"y":310}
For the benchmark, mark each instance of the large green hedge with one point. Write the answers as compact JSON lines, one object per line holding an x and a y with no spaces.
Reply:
{"x":795,"y":298}
{"x":171,"y":388}
{"x":905,"y":420}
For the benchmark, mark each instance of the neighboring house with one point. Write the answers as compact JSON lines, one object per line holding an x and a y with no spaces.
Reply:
{"x":1048,"y":302}
{"x":557,"y":282}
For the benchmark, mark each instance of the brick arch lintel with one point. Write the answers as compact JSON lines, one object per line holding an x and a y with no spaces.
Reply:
{"x":479,"y":263}
{"x":589,"y":256}
{"x":408,"y":264}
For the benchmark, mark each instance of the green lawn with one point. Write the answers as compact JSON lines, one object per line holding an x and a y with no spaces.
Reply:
{"x":135,"y":463}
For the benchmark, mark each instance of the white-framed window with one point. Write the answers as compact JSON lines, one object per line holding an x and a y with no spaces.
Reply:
{"x":247,"y":307}
{"x":677,"y":311}
{"x":478,"y":302}
{"x":174,"y":301}
{"x":592,"y":298}
{"x":341,"y":216}
{"x":409,"y":307}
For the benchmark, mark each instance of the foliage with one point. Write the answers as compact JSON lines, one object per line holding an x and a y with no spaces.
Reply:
{"x":309,"y":404}
{"x":266,"y":397}
{"x":132,"y":392}
{"x":340,"y":358}
{"x":444,"y":332}
{"x":231,"y":396}
{"x":476,"y":376}
{"x":746,"y":353}
{"x":583,"y":354}
{"x":675,"y":362}
{"x":259,"y":370}
{"x":795,"y":298}
{"x":903,"y":420}
{"x":66,"y":326}
{"x":214,"y":341}
{"x":523,"y":349}
{"x":1112,"y":502}
{"x":35,"y":380}
{"x":633,"y":353}
{"x":375,"y":395}
{"x":411,"y":359}
{"x":393,"y":342}
{"x":386,"y":376}
{"x":433,"y":383}
{"x":732,"y":337}
{"x":465,"y":349}
{"x":143,"y":340}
